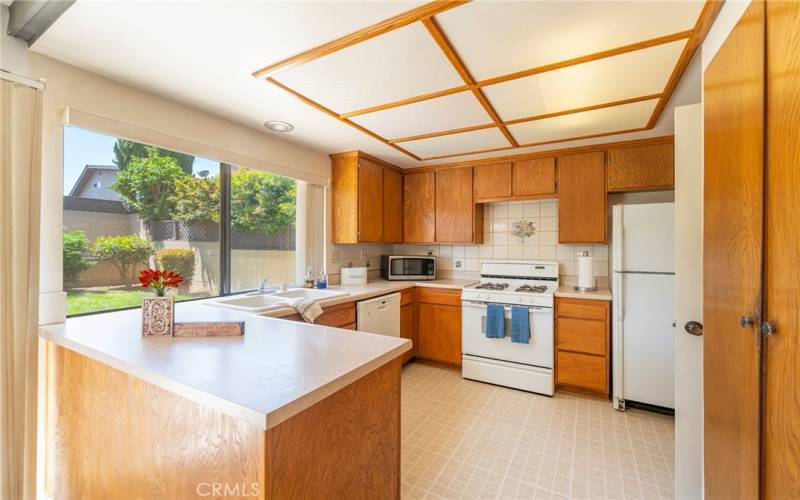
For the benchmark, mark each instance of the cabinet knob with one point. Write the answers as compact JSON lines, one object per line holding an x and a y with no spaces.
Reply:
{"x":746,"y":321}
{"x":768,"y":329}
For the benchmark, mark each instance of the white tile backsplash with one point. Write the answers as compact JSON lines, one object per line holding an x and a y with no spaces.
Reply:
{"x":499,"y":244}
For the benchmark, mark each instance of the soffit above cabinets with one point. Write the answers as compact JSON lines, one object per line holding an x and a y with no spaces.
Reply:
{"x":458,"y":78}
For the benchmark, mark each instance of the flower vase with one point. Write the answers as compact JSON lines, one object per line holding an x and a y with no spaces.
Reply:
{"x":158,"y":316}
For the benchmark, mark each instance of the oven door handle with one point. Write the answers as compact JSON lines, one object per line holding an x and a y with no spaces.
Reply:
{"x":482,"y":305}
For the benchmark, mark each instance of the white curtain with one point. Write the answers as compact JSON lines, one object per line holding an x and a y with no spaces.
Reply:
{"x":20,"y":186}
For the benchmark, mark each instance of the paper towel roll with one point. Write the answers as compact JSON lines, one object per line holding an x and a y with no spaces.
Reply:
{"x":585,"y":270}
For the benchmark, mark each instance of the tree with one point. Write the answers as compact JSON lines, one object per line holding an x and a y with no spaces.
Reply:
{"x":123,"y":252}
{"x":261,"y":201}
{"x":148,"y":185}
{"x":196,"y":200}
{"x":125,"y":151}
{"x":75,"y":247}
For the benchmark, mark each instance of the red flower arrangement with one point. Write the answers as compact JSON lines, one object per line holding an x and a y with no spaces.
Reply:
{"x":159,"y":280}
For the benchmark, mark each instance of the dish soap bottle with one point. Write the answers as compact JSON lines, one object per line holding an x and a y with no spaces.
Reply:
{"x":309,"y":283}
{"x":322,"y":281}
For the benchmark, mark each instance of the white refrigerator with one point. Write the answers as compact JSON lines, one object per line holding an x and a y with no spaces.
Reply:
{"x":643,"y":290}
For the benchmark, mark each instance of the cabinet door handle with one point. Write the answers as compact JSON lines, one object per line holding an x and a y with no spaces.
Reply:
{"x":768,"y":329}
{"x":746,"y":321}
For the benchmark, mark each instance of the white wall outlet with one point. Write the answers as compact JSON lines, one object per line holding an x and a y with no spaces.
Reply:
{"x":458,"y":264}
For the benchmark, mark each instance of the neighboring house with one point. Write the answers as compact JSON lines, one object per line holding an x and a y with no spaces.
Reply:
{"x":94,"y":183}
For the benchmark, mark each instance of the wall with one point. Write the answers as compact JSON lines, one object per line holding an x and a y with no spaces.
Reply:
{"x":498,"y":244}
{"x":72,"y":87}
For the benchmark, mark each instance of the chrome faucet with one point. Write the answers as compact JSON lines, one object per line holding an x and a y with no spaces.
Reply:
{"x":265,"y":288}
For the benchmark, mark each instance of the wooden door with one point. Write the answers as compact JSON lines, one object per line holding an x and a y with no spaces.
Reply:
{"x":370,"y":201}
{"x":782,"y":288}
{"x":454,"y":207}
{"x":535,"y":177}
{"x":419,"y":208}
{"x":642,"y":168}
{"x":492,"y":182}
{"x":732,"y":256}
{"x":392,"y":206}
{"x":582,"y":199}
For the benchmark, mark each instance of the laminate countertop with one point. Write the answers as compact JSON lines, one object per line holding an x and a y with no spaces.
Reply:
{"x":273,"y":372}
{"x":569,"y":292}
{"x":277,"y":369}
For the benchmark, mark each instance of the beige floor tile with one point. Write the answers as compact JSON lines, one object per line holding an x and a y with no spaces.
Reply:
{"x":468,"y":440}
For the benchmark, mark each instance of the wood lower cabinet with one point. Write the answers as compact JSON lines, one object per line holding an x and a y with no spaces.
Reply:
{"x":340,"y":316}
{"x":366,"y":200}
{"x":582,"y":198}
{"x":408,"y":322}
{"x":458,"y":218}
{"x":534,"y":178}
{"x":439,"y":325}
{"x":583,"y":346}
{"x":642,"y":167}
{"x":419,"y":207}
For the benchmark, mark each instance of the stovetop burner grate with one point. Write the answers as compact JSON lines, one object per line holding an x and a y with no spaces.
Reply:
{"x":492,"y":286}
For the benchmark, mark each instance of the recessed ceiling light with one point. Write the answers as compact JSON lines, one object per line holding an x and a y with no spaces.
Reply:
{"x":279,"y":126}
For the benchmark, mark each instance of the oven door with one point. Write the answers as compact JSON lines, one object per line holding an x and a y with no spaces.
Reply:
{"x":537,"y":352}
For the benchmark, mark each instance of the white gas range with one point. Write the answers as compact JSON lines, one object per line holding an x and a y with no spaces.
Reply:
{"x":499,"y":361}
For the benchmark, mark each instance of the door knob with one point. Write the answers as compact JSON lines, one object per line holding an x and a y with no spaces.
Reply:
{"x":746,"y":321}
{"x":694,"y":328}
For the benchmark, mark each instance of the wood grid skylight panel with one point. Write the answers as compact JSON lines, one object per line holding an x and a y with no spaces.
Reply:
{"x":635,"y":74}
{"x":496,"y":38}
{"x":617,"y":118}
{"x":435,"y":115}
{"x":397,"y":65}
{"x":457,"y":143}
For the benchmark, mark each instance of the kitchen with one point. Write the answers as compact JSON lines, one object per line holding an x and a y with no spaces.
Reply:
{"x":382,"y":257}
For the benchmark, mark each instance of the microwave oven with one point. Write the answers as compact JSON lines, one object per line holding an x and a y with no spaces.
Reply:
{"x":408,"y":267}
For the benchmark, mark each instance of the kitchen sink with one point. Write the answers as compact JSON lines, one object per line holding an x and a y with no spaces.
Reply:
{"x":308,"y":293}
{"x":257,"y":303}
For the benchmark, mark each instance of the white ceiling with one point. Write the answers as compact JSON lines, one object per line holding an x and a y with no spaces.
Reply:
{"x":203,"y":54}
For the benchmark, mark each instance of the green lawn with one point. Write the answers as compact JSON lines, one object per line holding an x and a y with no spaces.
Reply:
{"x":84,"y":302}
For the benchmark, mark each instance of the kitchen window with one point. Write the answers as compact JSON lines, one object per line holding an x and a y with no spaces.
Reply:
{"x":225,"y":228}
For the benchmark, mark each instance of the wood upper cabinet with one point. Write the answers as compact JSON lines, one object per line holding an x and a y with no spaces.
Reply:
{"x":366,"y":200}
{"x":642,"y":168}
{"x":439,"y":325}
{"x":458,"y":218}
{"x":582,"y":199}
{"x":370,"y":201}
{"x":492,"y":182}
{"x":534,"y":178}
{"x":419,"y":207}
{"x":392,"y":206}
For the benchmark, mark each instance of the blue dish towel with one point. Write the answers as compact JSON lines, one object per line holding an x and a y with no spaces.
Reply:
{"x":520,"y":325}
{"x":495,"y":321}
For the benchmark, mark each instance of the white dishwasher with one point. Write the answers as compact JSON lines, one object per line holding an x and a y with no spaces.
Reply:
{"x":379,"y":315}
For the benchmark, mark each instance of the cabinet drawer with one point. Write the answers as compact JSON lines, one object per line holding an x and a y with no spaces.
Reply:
{"x":581,"y":335}
{"x":407,"y":297}
{"x":582,"y":309}
{"x":442,"y":296}
{"x":582,"y":370}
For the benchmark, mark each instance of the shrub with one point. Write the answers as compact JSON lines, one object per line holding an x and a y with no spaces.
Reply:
{"x":196,"y":200}
{"x":179,"y":260}
{"x":75,"y":247}
{"x":124,"y":252}
{"x":261,"y":201}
